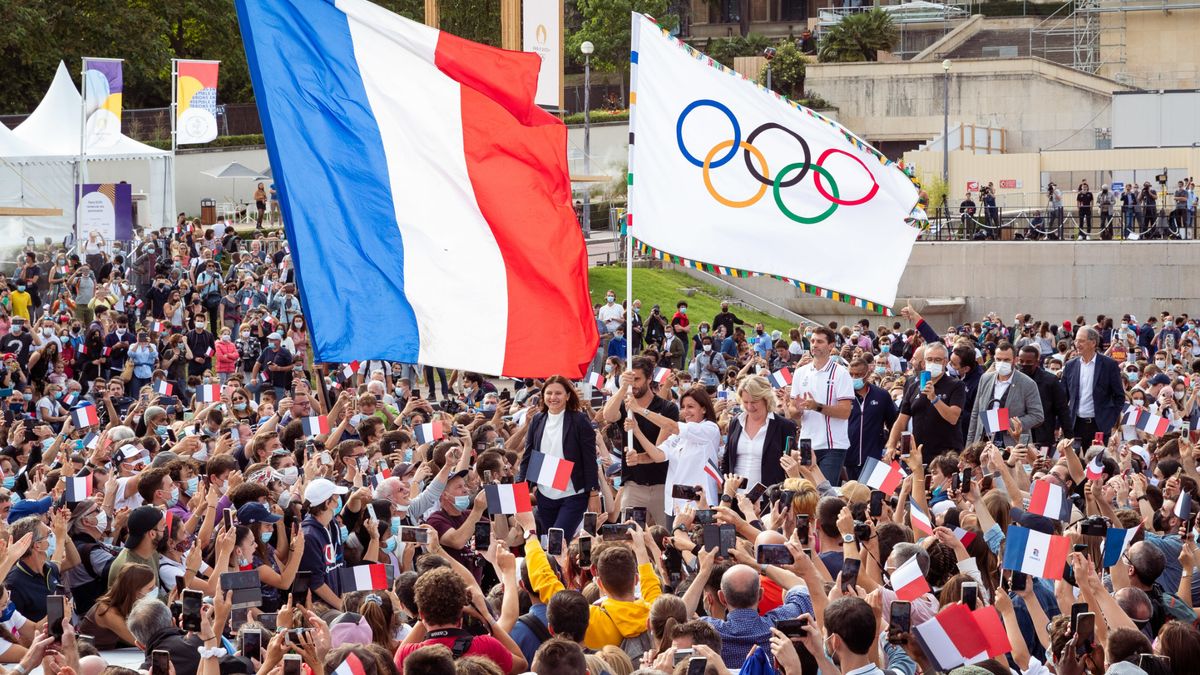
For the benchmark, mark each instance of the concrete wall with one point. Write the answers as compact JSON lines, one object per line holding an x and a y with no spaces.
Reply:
{"x":1153,"y":49}
{"x":1053,"y":280}
{"x":1039,"y":103}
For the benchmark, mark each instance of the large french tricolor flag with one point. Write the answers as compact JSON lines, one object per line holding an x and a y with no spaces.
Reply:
{"x":404,"y":156}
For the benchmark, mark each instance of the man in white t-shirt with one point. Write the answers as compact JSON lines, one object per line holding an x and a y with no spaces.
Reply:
{"x":611,"y":314}
{"x":823,"y":391}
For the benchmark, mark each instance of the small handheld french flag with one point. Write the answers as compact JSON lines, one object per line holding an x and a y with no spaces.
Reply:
{"x":920,"y":519}
{"x":879,"y":476}
{"x":508,"y":499}
{"x":596,"y":380}
{"x":85,"y":416}
{"x":781,"y":378}
{"x":1183,"y":506}
{"x":1049,"y":500}
{"x":350,"y":369}
{"x":159,"y":327}
{"x":1095,"y":468}
{"x":363,"y":578}
{"x":208,"y":352}
{"x":661,"y":374}
{"x":995,"y":420}
{"x":908,"y":582}
{"x":428,"y":433}
{"x":351,"y":666}
{"x":315,"y":425}
{"x":1035,"y":553}
{"x":208,"y":393}
{"x":79,"y":488}
{"x":952,"y":638}
{"x":1154,"y":424}
{"x":1116,"y":540}
{"x":164,"y":388}
{"x":965,"y":537}
{"x":71,"y":399}
{"x":550,"y":471}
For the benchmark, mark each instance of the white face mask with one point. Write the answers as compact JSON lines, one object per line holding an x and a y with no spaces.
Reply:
{"x":934,"y":369}
{"x":1003,"y":368}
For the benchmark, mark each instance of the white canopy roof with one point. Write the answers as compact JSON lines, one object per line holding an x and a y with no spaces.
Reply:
{"x":53,"y":129}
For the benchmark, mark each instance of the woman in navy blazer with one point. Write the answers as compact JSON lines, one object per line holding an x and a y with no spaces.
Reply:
{"x":561,"y":429}
{"x":768,"y":437}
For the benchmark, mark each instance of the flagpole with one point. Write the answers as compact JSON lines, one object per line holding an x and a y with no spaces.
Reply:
{"x":629,"y":222}
{"x":81,"y":164}
{"x":174,"y":144}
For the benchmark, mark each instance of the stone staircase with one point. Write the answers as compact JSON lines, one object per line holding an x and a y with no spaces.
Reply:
{"x":1013,"y":43}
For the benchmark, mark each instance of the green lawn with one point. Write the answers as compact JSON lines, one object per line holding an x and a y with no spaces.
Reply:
{"x":666,"y":287}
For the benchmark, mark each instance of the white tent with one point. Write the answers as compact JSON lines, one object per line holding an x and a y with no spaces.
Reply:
{"x":39,"y":159}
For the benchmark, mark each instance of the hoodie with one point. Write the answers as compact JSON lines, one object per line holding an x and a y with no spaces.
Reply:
{"x":610,"y":621}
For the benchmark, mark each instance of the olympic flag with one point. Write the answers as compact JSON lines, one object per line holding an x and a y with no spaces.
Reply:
{"x":728,"y":176}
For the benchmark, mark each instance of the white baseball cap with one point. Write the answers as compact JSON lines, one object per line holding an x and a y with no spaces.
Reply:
{"x":320,"y":490}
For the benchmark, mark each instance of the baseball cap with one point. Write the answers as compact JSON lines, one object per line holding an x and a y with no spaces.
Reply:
{"x":1160,"y":379}
{"x":274,"y":336}
{"x":255,"y":512}
{"x":29,"y":507}
{"x":320,"y":490}
{"x":142,"y":520}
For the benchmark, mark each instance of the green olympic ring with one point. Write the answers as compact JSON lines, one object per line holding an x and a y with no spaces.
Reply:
{"x":801,"y":219}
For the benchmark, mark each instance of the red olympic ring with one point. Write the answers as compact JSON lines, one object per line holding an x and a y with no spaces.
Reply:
{"x":845,"y":202}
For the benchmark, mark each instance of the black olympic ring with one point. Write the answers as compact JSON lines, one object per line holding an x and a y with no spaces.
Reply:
{"x":763,"y":179}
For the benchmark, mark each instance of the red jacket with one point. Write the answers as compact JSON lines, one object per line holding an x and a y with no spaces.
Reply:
{"x":226,"y":355}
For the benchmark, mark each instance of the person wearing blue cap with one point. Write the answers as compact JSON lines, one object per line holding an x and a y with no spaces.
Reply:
{"x":275,"y":573}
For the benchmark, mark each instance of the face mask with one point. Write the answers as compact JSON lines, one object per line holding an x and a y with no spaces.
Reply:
{"x":858,"y":383}
{"x":1160,"y":363}
{"x":174,"y":497}
{"x":48,"y":332}
{"x":708,"y":348}
{"x":161,"y":429}
{"x":462,"y":503}
{"x":289,"y":475}
{"x":16,"y":329}
{"x":408,"y":455}
{"x":9,"y":482}
{"x":1004,"y":368}
{"x":952,"y":371}
{"x":225,"y":337}
{"x":389,"y":545}
{"x":338,"y":509}
{"x":1131,"y":376}
{"x":608,"y":368}
{"x":343,"y":532}
{"x":21,"y":288}
{"x":704,"y":331}
{"x":609,"y":298}
{"x":265,"y":537}
{"x":1139,"y":402}
{"x":1178,"y":396}
{"x":284,"y":499}
{"x":263,"y":420}
{"x":934,"y":369}
{"x":102,"y":521}
{"x":48,"y":442}
{"x":683,"y":311}
{"x":51,"y":545}
{"x":396,"y":525}
{"x":192,"y":485}
{"x":880,"y":370}
{"x":239,"y":406}
{"x":245,"y":335}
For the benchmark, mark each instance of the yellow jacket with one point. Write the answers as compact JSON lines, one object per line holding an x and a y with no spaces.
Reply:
{"x":611,"y":620}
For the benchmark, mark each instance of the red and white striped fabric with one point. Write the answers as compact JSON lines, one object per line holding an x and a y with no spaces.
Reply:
{"x":595,"y":379}
{"x":661,"y":374}
{"x":908,"y":582}
{"x":883,"y":477}
{"x":995,"y":420}
{"x":549,"y":470}
{"x":351,"y":666}
{"x":85,"y":416}
{"x":952,"y":638}
{"x":1095,"y":468}
{"x":508,"y":499}
{"x":920,"y":520}
{"x":164,"y":388}
{"x":364,"y":578}
{"x":781,"y":378}
{"x":1049,"y":500}
{"x":208,"y":393}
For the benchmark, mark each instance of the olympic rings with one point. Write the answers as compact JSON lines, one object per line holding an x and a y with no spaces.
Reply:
{"x":803,"y":144}
{"x":820,"y":173}
{"x":820,"y":170}
{"x":845,"y":202}
{"x":749,"y":149}
{"x":737,"y":132}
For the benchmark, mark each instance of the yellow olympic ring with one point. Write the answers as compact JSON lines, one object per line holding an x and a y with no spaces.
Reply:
{"x":762,"y":188}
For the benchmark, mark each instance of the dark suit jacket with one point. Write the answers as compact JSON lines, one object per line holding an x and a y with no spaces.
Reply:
{"x":578,"y":444}
{"x":779,"y":429}
{"x":1108,"y":392}
{"x":1054,"y":406}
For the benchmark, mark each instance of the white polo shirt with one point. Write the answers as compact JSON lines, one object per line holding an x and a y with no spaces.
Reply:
{"x":827,"y":386}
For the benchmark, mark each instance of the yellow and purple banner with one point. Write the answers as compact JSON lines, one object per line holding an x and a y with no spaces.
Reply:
{"x":102,"y":86}
{"x":195,"y":101}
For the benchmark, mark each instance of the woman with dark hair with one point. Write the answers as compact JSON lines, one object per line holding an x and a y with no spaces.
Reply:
{"x":91,"y":356}
{"x":257,"y":526}
{"x":560,"y":429}
{"x":105,"y":621}
{"x":689,"y":446}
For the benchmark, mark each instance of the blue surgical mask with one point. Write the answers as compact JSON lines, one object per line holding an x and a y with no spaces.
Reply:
{"x":53,"y":543}
{"x":1132,"y":376}
{"x":408,"y":455}
{"x":47,"y":443}
{"x":265,"y":537}
{"x":880,"y":370}
{"x":174,"y":497}
{"x":193,"y":484}
{"x":161,"y":429}
{"x":857,"y":382}
{"x":239,"y":406}
{"x":396,"y":524}
{"x":263,"y":420}
{"x":462,"y":503}
{"x":338,"y":509}
{"x":616,"y":481}
{"x":9,"y":482}
{"x":389,"y":545}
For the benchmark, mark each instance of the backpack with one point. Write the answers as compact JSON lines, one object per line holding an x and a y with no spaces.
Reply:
{"x":633,"y":646}
{"x":535,"y":626}
{"x":1173,"y":606}
{"x":86,"y":594}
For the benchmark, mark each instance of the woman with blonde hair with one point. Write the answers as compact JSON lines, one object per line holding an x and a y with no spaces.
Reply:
{"x":617,"y":660}
{"x":758,"y":437}
{"x":804,"y":497}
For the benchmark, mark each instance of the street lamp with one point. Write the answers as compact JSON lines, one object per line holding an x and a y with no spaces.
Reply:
{"x":946,"y":130}
{"x":768,"y":54}
{"x":587,"y":48}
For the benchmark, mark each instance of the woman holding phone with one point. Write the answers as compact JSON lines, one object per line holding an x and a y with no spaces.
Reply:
{"x":689,"y":447}
{"x":254,"y":552}
{"x":561,"y":429}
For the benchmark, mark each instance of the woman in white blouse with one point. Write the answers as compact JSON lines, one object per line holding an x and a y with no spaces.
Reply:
{"x":689,"y":446}
{"x":758,"y":438}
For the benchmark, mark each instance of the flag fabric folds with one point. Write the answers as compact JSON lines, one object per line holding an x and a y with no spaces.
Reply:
{"x":85,"y":416}
{"x":1153,"y":424}
{"x":1116,"y":540}
{"x":781,"y":378}
{"x":992,"y":627}
{"x":964,"y":536}
{"x":746,"y":169}
{"x":364,"y":578}
{"x":1095,"y":468}
{"x":351,"y":666}
{"x":79,"y":488}
{"x":315,"y":425}
{"x":1183,"y":506}
{"x":1035,"y":553}
{"x":879,"y":476}
{"x":428,"y":433}
{"x":952,"y":638}
{"x":595,"y":379}
{"x":508,"y":499}
{"x":920,"y":519}
{"x":195,"y":101}
{"x":908,"y":582}
{"x":995,"y":420}
{"x":164,"y":388}
{"x":549,"y":470}
{"x":208,"y":393}
{"x":1049,"y":500}
{"x":661,"y":374}
{"x":388,"y":197}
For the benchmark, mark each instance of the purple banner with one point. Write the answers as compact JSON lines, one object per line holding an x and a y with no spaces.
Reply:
{"x":106,"y":208}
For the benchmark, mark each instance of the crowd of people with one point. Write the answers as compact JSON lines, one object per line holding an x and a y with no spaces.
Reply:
{"x":180,"y":478}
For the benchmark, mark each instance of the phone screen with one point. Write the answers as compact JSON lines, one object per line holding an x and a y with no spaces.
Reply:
{"x":849,"y":574}
{"x":585,"y":551}
{"x":160,"y":662}
{"x":755,"y":493}
{"x":1019,"y":581}
{"x":806,"y":457}
{"x":773,"y":554}
{"x":291,"y":664}
{"x":706,"y":516}
{"x":802,"y":528}
{"x":905,"y":443}
{"x":227,"y":519}
{"x":970,"y":594}
{"x":554,"y":541}
{"x":876,"y":503}
{"x":589,"y":523}
{"x":56,"y":609}
{"x":483,"y":536}
{"x":687,"y":492}
{"x":192,"y":600}
{"x":615,"y":532}
{"x":1085,"y":629}
{"x":901,"y":617}
{"x":252,"y":643}
{"x":414,"y":534}
{"x":697,"y":665}
{"x":1077,"y":609}
{"x":728,"y":539}
{"x":637,"y":514}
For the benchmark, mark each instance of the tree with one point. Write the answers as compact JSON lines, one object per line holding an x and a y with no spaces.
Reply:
{"x":858,"y":36}
{"x":606,"y":25}
{"x":787,"y":71}
{"x":725,"y":50}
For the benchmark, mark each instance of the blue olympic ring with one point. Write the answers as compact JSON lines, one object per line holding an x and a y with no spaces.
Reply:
{"x":737,"y":133}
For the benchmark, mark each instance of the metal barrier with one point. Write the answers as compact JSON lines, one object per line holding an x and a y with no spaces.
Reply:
{"x":949,"y":224}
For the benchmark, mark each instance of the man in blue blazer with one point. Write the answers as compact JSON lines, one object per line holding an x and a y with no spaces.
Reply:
{"x":1094,"y":388}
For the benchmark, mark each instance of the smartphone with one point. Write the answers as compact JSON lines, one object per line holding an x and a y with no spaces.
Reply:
{"x":793,"y":628}
{"x":251,"y":639}
{"x":900,"y":620}
{"x":589,"y":523}
{"x":802,"y":528}
{"x":966,"y":477}
{"x":755,"y":493}
{"x":416,"y":535}
{"x":850,"y":568}
{"x":269,"y":622}
{"x":192,"y":601}
{"x":682,"y":655}
{"x":697,"y":665}
{"x":906,"y":444}
{"x":876,"y":508}
{"x":1085,"y":630}
{"x":925,"y":377}
{"x":806,"y":457}
{"x":300,"y":586}
{"x":585,"y":551}
{"x":706,"y":516}
{"x":615,"y":532}
{"x":554,"y":541}
{"x":160,"y":662}
{"x":227,"y":519}
{"x":1076,"y":445}
{"x":688,"y":492}
{"x":728,"y":539}
{"x":56,"y":609}
{"x":1154,"y":663}
{"x":673,"y":561}
{"x":773,"y":554}
{"x":483,"y":535}
{"x":637,"y":514}
{"x":291,"y":664}
{"x":1019,"y":581}
{"x":970,"y":594}
{"x":712,"y":537}
{"x":1098,"y":439}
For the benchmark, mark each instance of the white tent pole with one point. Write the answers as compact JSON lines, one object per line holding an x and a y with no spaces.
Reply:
{"x":174,"y":103}
{"x":81,"y":165}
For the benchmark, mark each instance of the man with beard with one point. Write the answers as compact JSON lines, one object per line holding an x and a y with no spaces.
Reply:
{"x":644,"y":482}
{"x":1051,"y":391}
{"x":147,"y":527}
